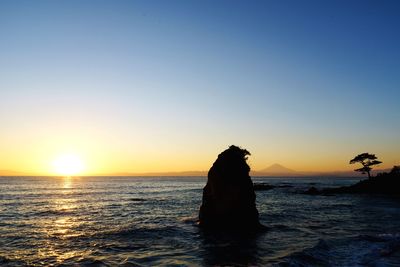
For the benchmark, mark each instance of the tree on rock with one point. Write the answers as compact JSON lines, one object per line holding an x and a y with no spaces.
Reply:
{"x":367,"y":160}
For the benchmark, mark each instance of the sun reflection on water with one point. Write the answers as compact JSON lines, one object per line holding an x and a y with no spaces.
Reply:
{"x":64,"y":225}
{"x":67,"y":182}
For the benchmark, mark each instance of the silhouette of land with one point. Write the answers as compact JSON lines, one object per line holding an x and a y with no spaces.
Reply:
{"x":271,"y":171}
{"x":383,"y":183}
{"x":229,"y":197}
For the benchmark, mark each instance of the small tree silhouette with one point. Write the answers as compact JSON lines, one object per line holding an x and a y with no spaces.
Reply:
{"x":367,"y":160}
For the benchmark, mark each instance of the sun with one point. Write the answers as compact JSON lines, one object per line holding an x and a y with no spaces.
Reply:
{"x":68,"y":165}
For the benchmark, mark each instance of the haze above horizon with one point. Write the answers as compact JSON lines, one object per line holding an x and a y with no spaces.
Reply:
{"x":159,"y":86}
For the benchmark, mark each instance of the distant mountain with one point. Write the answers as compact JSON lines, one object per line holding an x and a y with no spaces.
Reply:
{"x":277,"y":168}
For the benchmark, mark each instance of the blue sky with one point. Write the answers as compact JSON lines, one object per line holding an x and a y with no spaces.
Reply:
{"x":304,"y":83}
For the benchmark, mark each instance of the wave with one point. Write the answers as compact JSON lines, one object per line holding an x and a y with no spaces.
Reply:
{"x":87,"y":262}
{"x":149,"y":231}
{"x":7,"y":261}
{"x":362,"y":250}
{"x":54,"y":212}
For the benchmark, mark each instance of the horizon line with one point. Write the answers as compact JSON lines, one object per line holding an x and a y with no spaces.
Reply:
{"x":341,"y":173}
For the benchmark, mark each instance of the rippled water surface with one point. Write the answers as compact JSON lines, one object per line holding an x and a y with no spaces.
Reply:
{"x":132,"y":221}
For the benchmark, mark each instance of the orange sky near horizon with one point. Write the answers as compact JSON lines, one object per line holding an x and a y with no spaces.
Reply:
{"x":37,"y":133}
{"x":100,"y":157}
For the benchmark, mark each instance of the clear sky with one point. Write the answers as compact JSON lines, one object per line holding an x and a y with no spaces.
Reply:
{"x":136,"y":86}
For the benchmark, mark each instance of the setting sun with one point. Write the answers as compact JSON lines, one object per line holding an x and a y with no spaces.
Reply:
{"x":68,"y":164}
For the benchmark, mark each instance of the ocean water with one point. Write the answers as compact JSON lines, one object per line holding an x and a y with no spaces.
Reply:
{"x":150,"y":221}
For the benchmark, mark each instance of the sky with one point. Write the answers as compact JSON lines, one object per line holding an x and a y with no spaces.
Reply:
{"x":144,"y":86}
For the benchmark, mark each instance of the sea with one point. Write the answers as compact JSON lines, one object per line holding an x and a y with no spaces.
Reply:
{"x":152,"y":221}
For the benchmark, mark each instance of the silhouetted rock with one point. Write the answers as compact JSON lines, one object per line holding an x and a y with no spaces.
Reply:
{"x":228,"y":197}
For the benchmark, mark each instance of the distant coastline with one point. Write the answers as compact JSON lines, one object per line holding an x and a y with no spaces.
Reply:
{"x":336,"y":174}
{"x":274,"y":170}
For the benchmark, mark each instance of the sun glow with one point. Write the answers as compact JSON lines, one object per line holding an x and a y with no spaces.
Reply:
{"x":68,"y":165}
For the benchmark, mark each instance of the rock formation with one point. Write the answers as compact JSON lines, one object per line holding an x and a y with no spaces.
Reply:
{"x":383,"y":184}
{"x":228,"y":197}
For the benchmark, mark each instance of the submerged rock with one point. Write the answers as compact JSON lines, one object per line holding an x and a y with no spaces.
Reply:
{"x":263,"y":187}
{"x":312,"y":191}
{"x":228,"y":197}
